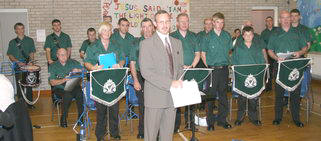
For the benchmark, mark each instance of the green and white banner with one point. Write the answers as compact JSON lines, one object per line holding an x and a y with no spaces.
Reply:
{"x":290,"y":73}
{"x":198,"y":74}
{"x":248,"y":80}
{"x":108,"y":85}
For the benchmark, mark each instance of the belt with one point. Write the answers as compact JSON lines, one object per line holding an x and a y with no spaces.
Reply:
{"x":217,"y":67}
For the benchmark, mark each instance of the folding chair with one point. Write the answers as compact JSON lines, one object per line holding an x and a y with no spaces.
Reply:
{"x":56,"y":104}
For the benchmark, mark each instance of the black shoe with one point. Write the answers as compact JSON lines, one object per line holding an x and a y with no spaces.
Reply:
{"x":140,"y":136}
{"x":117,"y":137}
{"x":298,"y":124}
{"x":238,"y":122}
{"x":31,"y":107}
{"x":276,"y":122}
{"x":225,"y":125}
{"x":210,"y":128}
{"x":175,"y":131}
{"x":257,"y":122}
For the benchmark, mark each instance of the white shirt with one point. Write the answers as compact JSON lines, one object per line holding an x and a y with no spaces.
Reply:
{"x":7,"y":93}
{"x":163,"y":36}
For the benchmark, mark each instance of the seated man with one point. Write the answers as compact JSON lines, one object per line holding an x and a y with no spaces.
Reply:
{"x":58,"y":72}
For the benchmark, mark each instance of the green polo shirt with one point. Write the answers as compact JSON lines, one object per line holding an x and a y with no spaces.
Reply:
{"x":134,"y":54}
{"x":304,"y":32}
{"x":125,"y":43}
{"x":85,"y":44}
{"x":283,"y":42}
{"x":190,"y":45}
{"x":27,"y":46}
{"x":201,"y":35}
{"x":217,"y":48}
{"x":59,"y":71}
{"x":55,"y":42}
{"x":243,"y":55}
{"x":93,"y":52}
{"x":266,"y":34}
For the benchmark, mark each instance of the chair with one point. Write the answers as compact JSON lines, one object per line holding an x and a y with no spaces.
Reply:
{"x":304,"y":94}
{"x":56,"y":103}
{"x":131,"y":102}
{"x":235,"y":96}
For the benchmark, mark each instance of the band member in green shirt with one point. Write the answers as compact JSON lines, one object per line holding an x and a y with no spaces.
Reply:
{"x":91,"y":34}
{"x":286,"y":39}
{"x":59,"y":70}
{"x":105,"y":45}
{"x":215,"y":55}
{"x":147,"y":30}
{"x":295,"y":23}
{"x":56,"y":40}
{"x":21,"y":51}
{"x":248,"y":52}
{"x":191,"y":56}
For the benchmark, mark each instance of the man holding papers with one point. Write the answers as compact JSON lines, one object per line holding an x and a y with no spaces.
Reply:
{"x":105,"y":46}
{"x":161,"y":61}
{"x":286,"y":39}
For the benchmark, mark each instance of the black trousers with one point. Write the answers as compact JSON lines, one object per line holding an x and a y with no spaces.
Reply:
{"x":252,"y":108}
{"x":28,"y":93}
{"x":271,"y":76}
{"x":219,"y":87}
{"x":294,"y":103}
{"x":141,"y":107}
{"x":102,"y":118}
{"x":67,"y":99}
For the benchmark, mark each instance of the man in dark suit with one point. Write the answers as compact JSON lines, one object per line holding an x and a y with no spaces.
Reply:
{"x":161,"y":65}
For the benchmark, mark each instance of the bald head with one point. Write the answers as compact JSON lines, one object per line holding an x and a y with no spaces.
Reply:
{"x":285,"y":19}
{"x":248,"y":23}
{"x":62,"y":55}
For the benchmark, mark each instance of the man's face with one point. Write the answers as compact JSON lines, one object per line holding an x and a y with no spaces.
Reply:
{"x":163,"y":23}
{"x":248,"y":36}
{"x":20,"y":30}
{"x":56,"y":27}
{"x":108,"y":19}
{"x":218,"y":24}
{"x":285,"y":19}
{"x":62,"y":56}
{"x":295,"y":17}
{"x":123,"y":27}
{"x":208,"y":25}
{"x":183,"y":23}
{"x":147,"y":29}
{"x":91,"y":36}
{"x":106,"y":33}
{"x":269,"y":22}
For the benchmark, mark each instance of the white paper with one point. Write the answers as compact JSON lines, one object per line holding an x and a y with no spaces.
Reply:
{"x":285,"y":55}
{"x":41,"y":35}
{"x":188,"y":95}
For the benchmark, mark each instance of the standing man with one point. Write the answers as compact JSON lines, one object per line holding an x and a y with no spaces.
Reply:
{"x":56,"y":40}
{"x":191,"y":56}
{"x":123,"y":37}
{"x":161,"y":61}
{"x":265,"y":36}
{"x":91,"y":34}
{"x":59,"y":70}
{"x":208,"y":26}
{"x":215,"y":51}
{"x":147,"y":30}
{"x":295,"y":20}
{"x":286,"y":39}
{"x":21,"y":51}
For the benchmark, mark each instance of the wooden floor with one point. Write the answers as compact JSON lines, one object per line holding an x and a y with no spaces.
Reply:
{"x":287,"y":131}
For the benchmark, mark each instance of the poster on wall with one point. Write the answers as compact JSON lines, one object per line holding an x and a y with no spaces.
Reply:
{"x":310,"y":11}
{"x":136,"y":10}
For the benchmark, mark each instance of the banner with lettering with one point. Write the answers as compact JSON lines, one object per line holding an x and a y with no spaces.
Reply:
{"x":136,"y":10}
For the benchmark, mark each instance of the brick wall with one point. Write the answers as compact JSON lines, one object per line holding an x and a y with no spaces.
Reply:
{"x":78,"y":15}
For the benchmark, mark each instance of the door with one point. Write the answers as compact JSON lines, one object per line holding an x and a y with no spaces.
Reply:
{"x":258,"y":19}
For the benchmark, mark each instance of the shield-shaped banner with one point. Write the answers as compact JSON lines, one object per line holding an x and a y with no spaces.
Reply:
{"x":290,"y":72}
{"x":198,"y":74}
{"x":108,"y":85}
{"x":248,"y":80}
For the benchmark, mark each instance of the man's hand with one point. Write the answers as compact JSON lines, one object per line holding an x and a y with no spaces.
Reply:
{"x":21,"y":64}
{"x":76,"y":70}
{"x":177,"y":84}
{"x":187,"y":67}
{"x":137,"y":86}
{"x":116,"y":66}
{"x":50,"y":61}
{"x":296,"y":54}
{"x":97,"y":67}
{"x":280,"y":59}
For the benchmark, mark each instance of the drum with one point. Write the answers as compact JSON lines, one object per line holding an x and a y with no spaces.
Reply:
{"x":30,"y":75}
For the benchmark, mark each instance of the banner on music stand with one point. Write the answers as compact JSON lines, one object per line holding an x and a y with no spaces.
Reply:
{"x":108,"y":85}
{"x":248,"y":80}
{"x":290,"y":73}
{"x":198,"y":74}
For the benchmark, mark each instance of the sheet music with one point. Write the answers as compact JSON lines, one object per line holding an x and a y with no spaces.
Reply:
{"x":188,"y":95}
{"x":285,"y":56}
